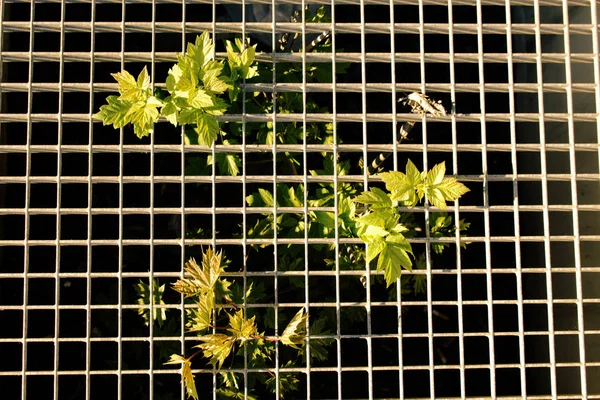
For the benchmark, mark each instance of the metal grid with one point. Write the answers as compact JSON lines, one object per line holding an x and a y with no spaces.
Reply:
{"x":534,"y":284}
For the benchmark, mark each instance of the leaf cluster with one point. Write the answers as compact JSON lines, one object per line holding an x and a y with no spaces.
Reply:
{"x":411,"y":187}
{"x":213,"y":296}
{"x":381,"y":226}
{"x":195,"y":95}
{"x":442,"y":225}
{"x":200,"y":88}
{"x":135,"y":105}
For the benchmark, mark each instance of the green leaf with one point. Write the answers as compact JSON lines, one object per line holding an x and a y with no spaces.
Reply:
{"x":452,"y":189}
{"x":241,"y":329}
{"x":229,"y":163}
{"x":135,"y":105}
{"x":375,"y":247}
{"x":170,"y":111}
{"x":145,"y":297}
{"x":143,"y":80}
{"x":217,"y":347}
{"x":295,"y":333}
{"x":225,"y":393}
{"x":377,"y":198}
{"x":175,"y":73}
{"x":207,"y":128}
{"x":436,"y":174}
{"x":238,"y":295}
{"x":205,"y":47}
{"x":393,"y":257}
{"x":114,"y":113}
{"x":201,"y":51}
{"x":287,"y":381}
{"x":143,"y":115}
{"x":241,"y":60}
{"x":126,"y":81}
{"x":204,"y":277}
{"x":372,"y":219}
{"x":230,"y":379}
{"x":326,"y":219}
{"x":384,"y":218}
{"x":391,"y":271}
{"x":290,"y":196}
{"x":347,"y":210}
{"x":420,"y":280}
{"x":436,"y":198}
{"x":369,"y":231}
{"x":233,"y":57}
{"x":215,"y":84}
{"x":201,"y":317}
{"x":400,"y":185}
{"x":247,"y":58}
{"x":259,"y":350}
{"x":266,"y":197}
{"x":318,"y":347}
{"x":412,"y":174}
{"x":186,"y":374}
{"x":201,"y":99}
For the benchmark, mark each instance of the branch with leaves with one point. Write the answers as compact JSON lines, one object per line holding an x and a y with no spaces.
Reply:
{"x":195,"y":95}
{"x":213,"y":299}
{"x":198,"y":89}
{"x":382,"y":227}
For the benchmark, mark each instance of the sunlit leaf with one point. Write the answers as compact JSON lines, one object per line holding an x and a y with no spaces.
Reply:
{"x":201,"y":317}
{"x":216,"y":347}
{"x":241,"y":329}
{"x":377,"y":198}
{"x":295,"y":333}
{"x":186,"y":374}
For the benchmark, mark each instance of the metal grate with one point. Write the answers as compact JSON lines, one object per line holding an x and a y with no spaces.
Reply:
{"x":514,"y":315}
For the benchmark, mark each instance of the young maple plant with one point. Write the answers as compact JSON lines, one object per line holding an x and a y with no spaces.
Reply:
{"x":196,"y":86}
{"x":199,"y":88}
{"x":213,"y":297}
{"x":385,"y":230}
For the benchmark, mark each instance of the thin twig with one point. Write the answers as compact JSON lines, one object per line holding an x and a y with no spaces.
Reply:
{"x":231,"y":303}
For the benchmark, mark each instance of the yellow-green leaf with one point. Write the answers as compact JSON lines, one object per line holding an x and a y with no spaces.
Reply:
{"x":375,"y":247}
{"x":295,"y":333}
{"x":217,"y":347}
{"x":207,"y":128}
{"x":186,"y":374}
{"x":200,"y":318}
{"x":436,"y":174}
{"x":241,"y":329}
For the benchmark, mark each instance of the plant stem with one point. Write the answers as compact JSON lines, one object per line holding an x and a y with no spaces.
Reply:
{"x":227,"y":300}
{"x":222,"y":328}
{"x":268,"y":339}
{"x":194,"y":355}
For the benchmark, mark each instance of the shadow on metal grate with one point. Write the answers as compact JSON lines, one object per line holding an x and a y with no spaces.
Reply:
{"x":87,"y":211}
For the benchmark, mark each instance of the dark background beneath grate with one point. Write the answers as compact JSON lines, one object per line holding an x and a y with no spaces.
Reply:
{"x":416,"y":383}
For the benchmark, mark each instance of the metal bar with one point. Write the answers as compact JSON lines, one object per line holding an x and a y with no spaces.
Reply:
{"x":183,"y":181}
{"x":90,"y":189}
{"x":486,"y":213}
{"x":120,"y":239}
{"x":26,"y":214}
{"x":58,"y":204}
{"x":518,"y":275}
{"x":371,"y":57}
{"x":285,"y":27}
{"x":574,"y":200}
{"x":556,"y":3}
